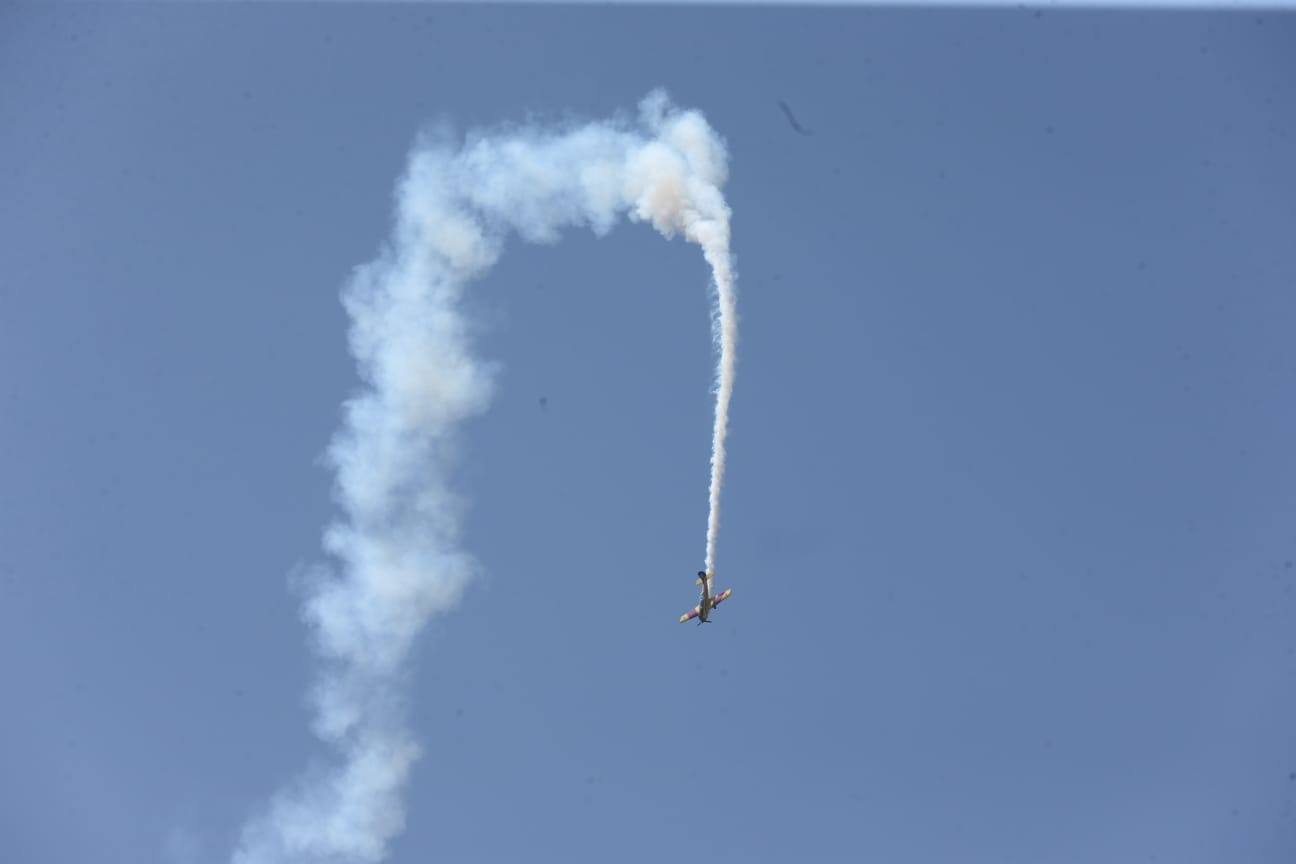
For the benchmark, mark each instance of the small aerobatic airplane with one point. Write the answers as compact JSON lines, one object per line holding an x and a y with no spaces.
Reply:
{"x":702,"y":611}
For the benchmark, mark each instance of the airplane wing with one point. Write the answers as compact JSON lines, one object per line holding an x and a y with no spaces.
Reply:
{"x":722,"y":597}
{"x":688,"y":616}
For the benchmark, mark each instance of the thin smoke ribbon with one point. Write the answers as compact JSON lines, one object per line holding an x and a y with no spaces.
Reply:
{"x":395,"y":549}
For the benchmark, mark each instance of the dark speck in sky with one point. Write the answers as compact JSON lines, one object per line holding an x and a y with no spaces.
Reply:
{"x":791,"y":118}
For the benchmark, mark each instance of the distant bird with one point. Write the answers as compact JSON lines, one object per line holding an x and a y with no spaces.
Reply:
{"x":792,"y":121}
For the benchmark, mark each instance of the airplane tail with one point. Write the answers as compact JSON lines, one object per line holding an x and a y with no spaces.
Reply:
{"x":702,"y":574}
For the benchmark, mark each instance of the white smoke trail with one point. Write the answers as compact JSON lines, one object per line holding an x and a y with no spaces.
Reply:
{"x":725,"y":333}
{"x":396,"y":542}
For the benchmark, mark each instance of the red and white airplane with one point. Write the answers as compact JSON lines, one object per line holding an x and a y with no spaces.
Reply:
{"x":702,"y":611}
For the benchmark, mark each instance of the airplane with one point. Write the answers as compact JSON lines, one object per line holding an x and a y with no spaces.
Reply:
{"x":702,"y":611}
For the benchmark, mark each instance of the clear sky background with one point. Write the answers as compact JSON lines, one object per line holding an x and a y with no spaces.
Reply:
{"x":1011,"y":511}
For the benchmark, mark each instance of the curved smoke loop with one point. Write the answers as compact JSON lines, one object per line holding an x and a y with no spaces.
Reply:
{"x":396,"y":543}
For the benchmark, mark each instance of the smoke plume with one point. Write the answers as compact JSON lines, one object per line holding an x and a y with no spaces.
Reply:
{"x":395,"y":544}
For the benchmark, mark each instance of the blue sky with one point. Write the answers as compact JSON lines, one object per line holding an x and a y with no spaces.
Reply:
{"x":1009,"y":512}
